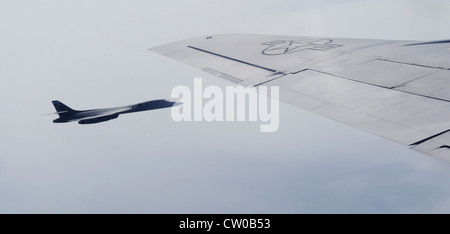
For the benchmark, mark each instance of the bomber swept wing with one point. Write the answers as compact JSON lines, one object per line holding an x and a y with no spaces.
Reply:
{"x":399,"y":90}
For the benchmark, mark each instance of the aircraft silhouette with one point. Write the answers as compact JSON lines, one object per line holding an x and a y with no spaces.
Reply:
{"x":67,"y":114}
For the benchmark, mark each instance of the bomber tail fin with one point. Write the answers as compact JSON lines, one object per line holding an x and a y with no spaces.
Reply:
{"x":61,"y":108}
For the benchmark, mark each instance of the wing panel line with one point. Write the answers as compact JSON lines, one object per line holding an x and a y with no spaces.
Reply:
{"x":429,"y":138}
{"x":392,"y":88}
{"x":233,"y":59}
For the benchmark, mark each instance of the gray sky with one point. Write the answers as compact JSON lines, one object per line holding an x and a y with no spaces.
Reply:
{"x":91,"y":54}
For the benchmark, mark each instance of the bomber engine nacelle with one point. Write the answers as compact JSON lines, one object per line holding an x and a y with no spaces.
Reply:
{"x":98,"y":119}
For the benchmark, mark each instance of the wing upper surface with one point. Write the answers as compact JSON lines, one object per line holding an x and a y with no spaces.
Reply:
{"x":399,"y":90}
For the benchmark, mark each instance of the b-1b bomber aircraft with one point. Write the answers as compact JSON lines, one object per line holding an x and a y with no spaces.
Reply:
{"x":67,"y":114}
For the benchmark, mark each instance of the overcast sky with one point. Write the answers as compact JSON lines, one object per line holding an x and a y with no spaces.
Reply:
{"x":91,"y":54}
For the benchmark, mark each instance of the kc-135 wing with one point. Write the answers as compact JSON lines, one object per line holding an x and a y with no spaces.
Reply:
{"x":399,"y":90}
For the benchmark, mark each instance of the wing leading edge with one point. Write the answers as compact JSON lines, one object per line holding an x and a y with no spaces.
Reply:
{"x":398,"y":90}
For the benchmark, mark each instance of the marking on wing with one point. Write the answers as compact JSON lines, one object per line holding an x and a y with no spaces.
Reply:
{"x":280,"y":47}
